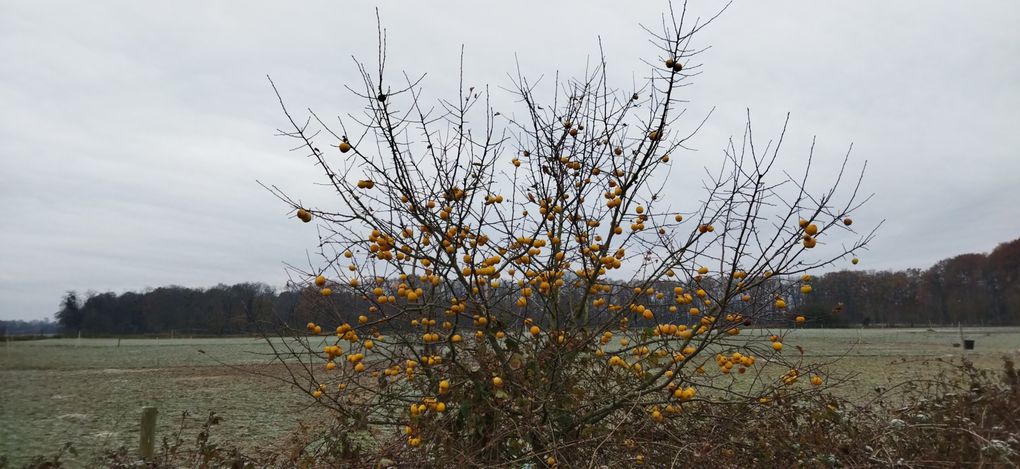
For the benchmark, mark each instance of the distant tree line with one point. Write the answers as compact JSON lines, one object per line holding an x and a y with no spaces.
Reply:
{"x":220,"y":310}
{"x":36,"y":327}
{"x":968,"y":289}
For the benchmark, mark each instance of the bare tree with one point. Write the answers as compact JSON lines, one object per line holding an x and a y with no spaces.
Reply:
{"x":530,"y":294}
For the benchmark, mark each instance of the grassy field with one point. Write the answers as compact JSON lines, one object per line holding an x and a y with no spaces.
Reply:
{"x":90,"y":392}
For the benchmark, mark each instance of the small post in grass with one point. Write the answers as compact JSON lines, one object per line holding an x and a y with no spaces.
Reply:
{"x":147,"y":440}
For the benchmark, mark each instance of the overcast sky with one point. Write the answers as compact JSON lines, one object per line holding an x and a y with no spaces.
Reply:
{"x":132,"y":133}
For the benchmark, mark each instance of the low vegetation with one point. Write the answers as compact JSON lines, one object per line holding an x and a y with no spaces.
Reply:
{"x":963,"y":416}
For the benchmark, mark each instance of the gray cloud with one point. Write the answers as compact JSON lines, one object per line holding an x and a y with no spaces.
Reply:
{"x":133,"y":133}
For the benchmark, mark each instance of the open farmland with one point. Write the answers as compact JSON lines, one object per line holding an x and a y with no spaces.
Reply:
{"x":90,"y":392}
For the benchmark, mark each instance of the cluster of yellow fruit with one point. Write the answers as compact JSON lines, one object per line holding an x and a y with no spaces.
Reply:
{"x":684,"y":394}
{"x":382,"y":245}
{"x":810,"y":231}
{"x":805,"y":287}
{"x":346,"y":332}
{"x":726,"y":363}
{"x":332,"y":352}
{"x":776,"y":344}
{"x":639,"y":221}
{"x":791,"y":376}
{"x":493,"y":199}
{"x":320,"y":281}
{"x":356,"y":359}
{"x":656,"y":415}
{"x":428,"y":403}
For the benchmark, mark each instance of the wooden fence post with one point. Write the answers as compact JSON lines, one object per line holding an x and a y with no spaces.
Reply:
{"x":147,"y":440}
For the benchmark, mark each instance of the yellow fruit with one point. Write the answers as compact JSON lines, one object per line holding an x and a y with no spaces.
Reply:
{"x":497,"y":381}
{"x":320,"y":280}
{"x":359,"y":367}
{"x":780,"y":304}
{"x":441,"y":407}
{"x":777,"y":346}
{"x":854,"y":261}
{"x":304,"y":215}
{"x":805,"y":289}
{"x":811,"y":229}
{"x":345,"y":147}
{"x":800,"y":319}
{"x":326,"y":291}
{"x":316,"y":394}
{"x":809,"y":242}
{"x":317,"y":330}
{"x":816,"y":380}
{"x":535,"y":330}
